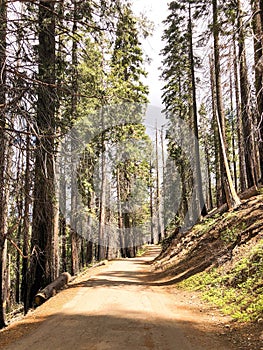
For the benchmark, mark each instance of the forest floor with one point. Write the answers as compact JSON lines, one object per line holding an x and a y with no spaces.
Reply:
{"x":121,"y":306}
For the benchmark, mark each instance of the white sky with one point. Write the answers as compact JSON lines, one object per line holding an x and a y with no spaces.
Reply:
{"x":156,"y":11}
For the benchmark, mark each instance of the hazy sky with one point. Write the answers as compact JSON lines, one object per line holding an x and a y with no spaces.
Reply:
{"x":156,"y":11}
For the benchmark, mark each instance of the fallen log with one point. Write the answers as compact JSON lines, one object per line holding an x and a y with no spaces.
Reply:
{"x":101,"y":263}
{"x":250,"y":192}
{"x":51,"y":289}
{"x":247,"y":194}
{"x":221,"y":210}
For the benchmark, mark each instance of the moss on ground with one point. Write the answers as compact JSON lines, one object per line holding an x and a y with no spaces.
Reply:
{"x":238,"y":290}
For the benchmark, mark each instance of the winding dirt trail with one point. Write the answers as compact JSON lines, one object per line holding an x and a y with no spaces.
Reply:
{"x":119,"y":307}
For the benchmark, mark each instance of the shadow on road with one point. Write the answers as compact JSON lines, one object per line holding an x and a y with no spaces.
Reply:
{"x":69,"y":332}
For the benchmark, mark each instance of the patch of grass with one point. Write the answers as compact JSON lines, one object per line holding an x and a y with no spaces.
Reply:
{"x":141,"y":251}
{"x":237,"y":292}
{"x":229,"y":215}
{"x":230,"y":234}
{"x":203,"y":227}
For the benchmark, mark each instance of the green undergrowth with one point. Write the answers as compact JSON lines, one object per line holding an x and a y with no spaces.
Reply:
{"x":237,"y":291}
{"x":205,"y":226}
{"x":142,"y":250}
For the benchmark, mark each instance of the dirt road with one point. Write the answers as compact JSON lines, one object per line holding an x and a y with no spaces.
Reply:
{"x":118,"y":308}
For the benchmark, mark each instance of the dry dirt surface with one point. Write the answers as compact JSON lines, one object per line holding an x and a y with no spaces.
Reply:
{"x":117,"y":307}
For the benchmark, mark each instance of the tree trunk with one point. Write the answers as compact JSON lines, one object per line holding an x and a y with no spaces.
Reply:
{"x":247,"y":123}
{"x":158,"y":199}
{"x":209,"y":190}
{"x":232,"y":122}
{"x":234,"y":154}
{"x":230,"y":194}
{"x":55,"y":243}
{"x":219,"y":98}
{"x":3,"y":203}
{"x":89,"y":254}
{"x":151,"y":205}
{"x":26,"y":219}
{"x":102,"y":213}
{"x":63,"y":235}
{"x":44,"y":182}
{"x":120,"y":220}
{"x":163,"y":187}
{"x":260,"y":99}
{"x":219,"y":190}
{"x":74,"y":252}
{"x":74,"y":189}
{"x":7,"y":286}
{"x":63,"y":211}
{"x":257,"y":6}
{"x":241,"y":155}
{"x":127,"y":234}
{"x":89,"y":247}
{"x":201,"y":207}
{"x":19,"y":207}
{"x":7,"y":176}
{"x":18,"y":257}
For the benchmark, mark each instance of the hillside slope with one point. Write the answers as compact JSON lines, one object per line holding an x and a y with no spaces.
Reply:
{"x":223,"y":258}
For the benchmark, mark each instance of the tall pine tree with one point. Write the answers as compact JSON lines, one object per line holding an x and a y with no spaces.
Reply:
{"x":40,"y":271}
